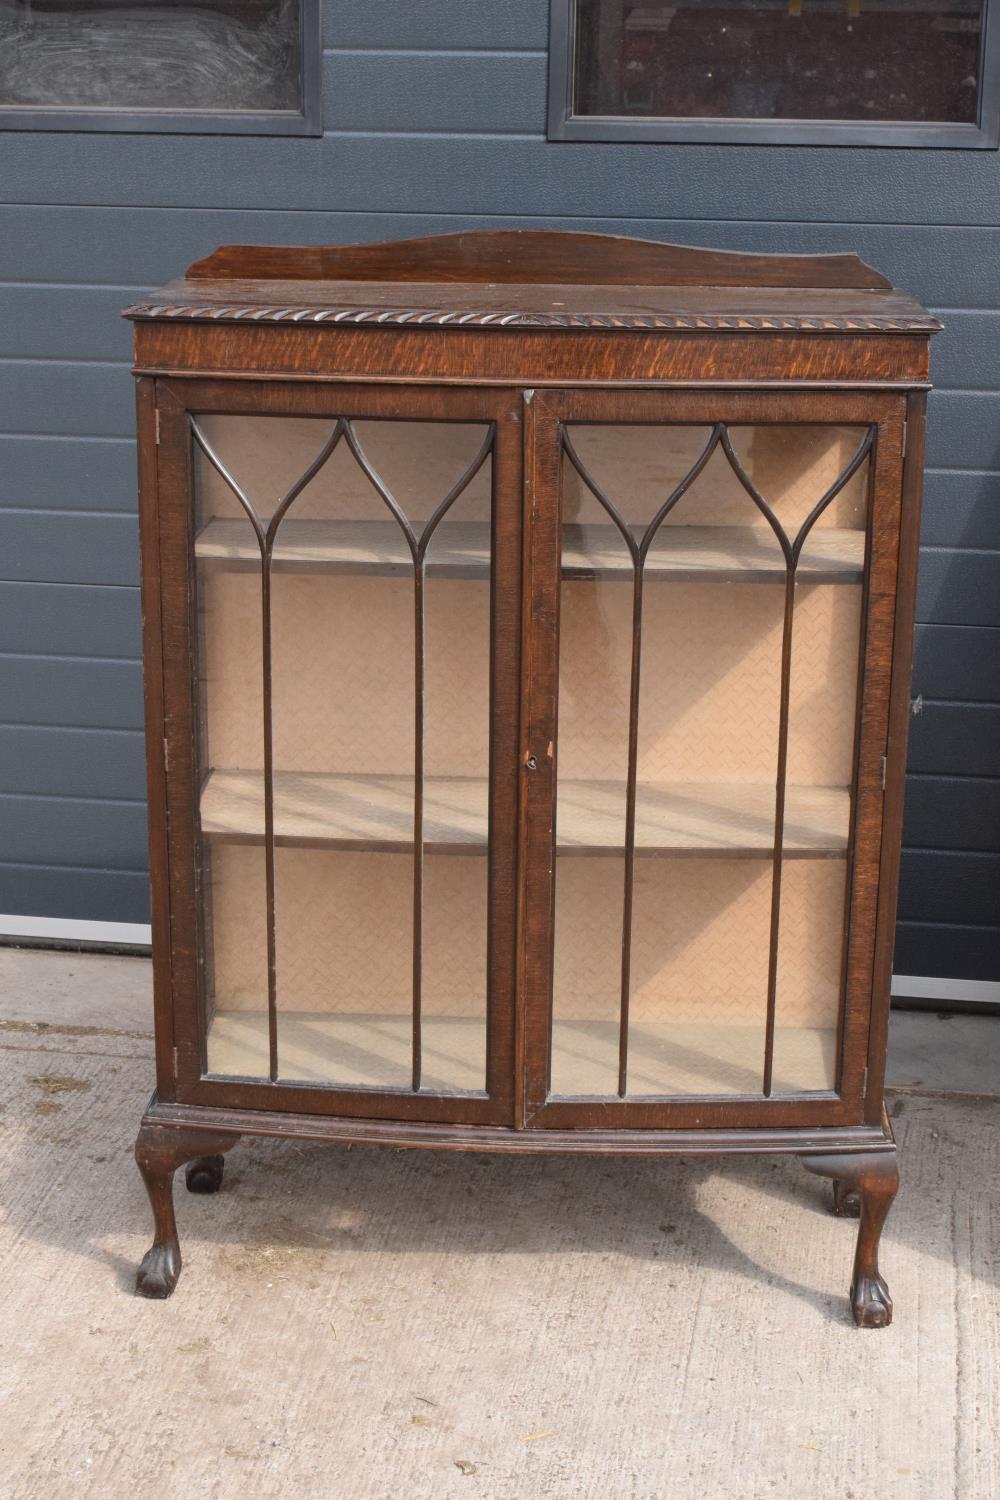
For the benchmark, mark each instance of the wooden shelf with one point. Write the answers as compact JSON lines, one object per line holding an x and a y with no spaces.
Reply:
{"x":731,"y":820}
{"x":461,"y":549}
{"x":666,"y":1058}
{"x":717,"y":554}
{"x":347,"y":812}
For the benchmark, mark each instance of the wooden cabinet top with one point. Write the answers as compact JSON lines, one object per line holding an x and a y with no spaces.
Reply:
{"x":530,"y":279}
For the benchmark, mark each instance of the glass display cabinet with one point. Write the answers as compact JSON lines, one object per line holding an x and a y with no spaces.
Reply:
{"x":527,"y":639}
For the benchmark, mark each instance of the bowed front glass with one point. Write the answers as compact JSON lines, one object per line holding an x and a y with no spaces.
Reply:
{"x":355,"y":712}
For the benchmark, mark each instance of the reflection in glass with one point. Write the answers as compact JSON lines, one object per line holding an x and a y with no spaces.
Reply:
{"x":342,"y":951}
{"x":116,"y":54}
{"x":457,"y":621}
{"x":228,"y":672}
{"x":706,"y":744}
{"x":863,"y":60}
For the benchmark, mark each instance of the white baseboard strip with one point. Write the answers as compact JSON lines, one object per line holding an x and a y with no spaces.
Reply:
{"x":968,"y":991}
{"x":65,"y":930}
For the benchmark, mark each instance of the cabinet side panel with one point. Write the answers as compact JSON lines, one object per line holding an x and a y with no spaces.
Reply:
{"x":899,"y":722}
{"x":175,"y":489}
{"x":156,"y":792}
{"x":877,"y":672}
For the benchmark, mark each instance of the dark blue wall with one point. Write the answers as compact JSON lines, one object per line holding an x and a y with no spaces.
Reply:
{"x":434,"y":120}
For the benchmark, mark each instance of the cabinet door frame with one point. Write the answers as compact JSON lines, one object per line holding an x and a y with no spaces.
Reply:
{"x":862,"y":1004}
{"x":169,"y":600}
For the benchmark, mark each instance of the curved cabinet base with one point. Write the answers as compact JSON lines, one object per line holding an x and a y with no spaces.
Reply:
{"x":860,"y":1159}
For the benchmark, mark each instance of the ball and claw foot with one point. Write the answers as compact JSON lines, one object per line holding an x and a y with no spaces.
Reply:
{"x":864,"y":1185}
{"x":158,"y":1273}
{"x":871,"y":1303}
{"x":204,"y":1174}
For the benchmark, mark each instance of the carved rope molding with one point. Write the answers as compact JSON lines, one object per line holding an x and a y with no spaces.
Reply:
{"x":194,"y":312}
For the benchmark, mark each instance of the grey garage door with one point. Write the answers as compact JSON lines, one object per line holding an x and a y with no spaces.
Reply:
{"x":434,"y":119}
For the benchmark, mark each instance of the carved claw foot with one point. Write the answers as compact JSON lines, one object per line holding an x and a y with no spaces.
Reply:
{"x":157,"y":1275}
{"x":159,"y":1151}
{"x":204,"y":1174}
{"x":871,"y":1302}
{"x":864,"y":1183}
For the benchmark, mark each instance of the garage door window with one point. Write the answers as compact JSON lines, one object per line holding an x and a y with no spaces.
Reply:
{"x":210,"y":66}
{"x":865,"y":72}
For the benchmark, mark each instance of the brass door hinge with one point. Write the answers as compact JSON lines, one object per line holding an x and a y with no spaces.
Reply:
{"x":157,"y":427}
{"x":885,"y":765}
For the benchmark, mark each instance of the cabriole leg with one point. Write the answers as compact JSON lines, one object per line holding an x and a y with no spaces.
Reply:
{"x":868,"y":1180}
{"x":159,"y":1151}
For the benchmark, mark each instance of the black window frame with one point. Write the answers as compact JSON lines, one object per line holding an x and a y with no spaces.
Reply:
{"x":564,"y":125}
{"x":305,"y":121}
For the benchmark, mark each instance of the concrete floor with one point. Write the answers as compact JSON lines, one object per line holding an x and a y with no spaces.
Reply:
{"x":366,"y":1324}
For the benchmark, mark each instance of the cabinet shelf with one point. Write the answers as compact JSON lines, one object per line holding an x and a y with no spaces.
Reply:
{"x":372,"y":1049}
{"x":339,"y":811}
{"x":461,"y":549}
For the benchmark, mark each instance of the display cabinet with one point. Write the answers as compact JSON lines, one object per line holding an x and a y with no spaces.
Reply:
{"x":527,"y":640}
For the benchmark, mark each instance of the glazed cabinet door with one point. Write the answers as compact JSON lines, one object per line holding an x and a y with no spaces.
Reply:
{"x":712,"y":584}
{"x":340,"y":575}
